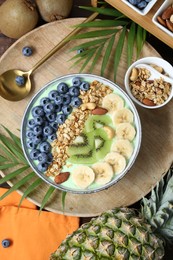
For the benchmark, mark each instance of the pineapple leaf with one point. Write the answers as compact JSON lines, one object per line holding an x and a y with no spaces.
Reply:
{"x":31,"y":187}
{"x":18,"y":184}
{"x":13,"y":174}
{"x":46,"y":197}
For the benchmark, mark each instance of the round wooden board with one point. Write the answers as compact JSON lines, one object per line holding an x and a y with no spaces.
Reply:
{"x":155,"y":156}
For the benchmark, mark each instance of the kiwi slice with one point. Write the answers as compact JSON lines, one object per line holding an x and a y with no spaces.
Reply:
{"x":88,"y":158}
{"x":97,"y":121}
{"x":83,"y":143}
{"x":102,"y":143}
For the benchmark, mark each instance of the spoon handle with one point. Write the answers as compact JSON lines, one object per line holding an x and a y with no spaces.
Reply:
{"x":62,"y":43}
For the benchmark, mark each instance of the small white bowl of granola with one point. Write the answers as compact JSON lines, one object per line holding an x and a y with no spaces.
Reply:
{"x":148,"y":82}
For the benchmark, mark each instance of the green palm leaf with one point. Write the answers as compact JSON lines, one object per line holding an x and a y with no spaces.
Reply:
{"x":140,"y":39}
{"x":47,"y":196}
{"x":130,"y":43}
{"x":103,"y":23}
{"x":104,"y":11}
{"x":92,"y":34}
{"x":15,"y":138}
{"x":13,"y":174}
{"x":88,"y":44}
{"x":96,"y":57}
{"x":90,"y":55}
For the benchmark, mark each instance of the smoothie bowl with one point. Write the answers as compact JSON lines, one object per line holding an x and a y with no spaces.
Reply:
{"x":81,"y":133}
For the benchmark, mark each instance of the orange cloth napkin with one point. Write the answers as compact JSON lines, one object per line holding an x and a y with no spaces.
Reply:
{"x":33,"y":236}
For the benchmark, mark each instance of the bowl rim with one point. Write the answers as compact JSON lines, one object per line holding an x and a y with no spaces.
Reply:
{"x":137,"y":125}
{"x":145,"y":10}
{"x":144,"y":60}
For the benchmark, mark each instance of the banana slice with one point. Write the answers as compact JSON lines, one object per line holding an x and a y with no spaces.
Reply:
{"x":123,"y":146}
{"x":125,"y":131}
{"x":112,"y":102}
{"x":83,"y":176}
{"x":117,"y":161}
{"x":103,"y":172}
{"x":123,"y":115}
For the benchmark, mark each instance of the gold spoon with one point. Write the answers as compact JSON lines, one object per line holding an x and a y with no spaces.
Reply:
{"x":10,"y":90}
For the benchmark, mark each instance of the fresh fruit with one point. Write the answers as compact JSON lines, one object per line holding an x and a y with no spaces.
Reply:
{"x":103,"y":172}
{"x":42,"y":166}
{"x":99,"y":111}
{"x":87,"y":158}
{"x":85,"y":86}
{"x":60,"y":118}
{"x":62,"y":88}
{"x":95,"y":121}
{"x":117,"y":161}
{"x":51,"y":10}
{"x":112,"y":102}
{"x":83,"y":142}
{"x":76,"y":102}
{"x":76,"y":81}
{"x":17,"y":17}
{"x":83,"y":176}
{"x":125,"y":131}
{"x":6,"y":243}
{"x":102,"y":143}
{"x":109,"y":131}
{"x":27,"y":51}
{"x":53,"y":94}
{"x":61,"y":177}
{"x":45,"y":147}
{"x":37,"y":111}
{"x":74,"y":91}
{"x":123,"y":115}
{"x":123,"y":146}
{"x":20,"y":80}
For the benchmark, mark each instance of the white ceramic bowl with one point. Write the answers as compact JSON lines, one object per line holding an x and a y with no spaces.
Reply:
{"x":143,"y":11}
{"x":69,"y":185}
{"x":168,"y":69}
{"x":159,"y":13}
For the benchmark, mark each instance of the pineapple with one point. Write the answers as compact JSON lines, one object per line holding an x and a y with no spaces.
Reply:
{"x":125,"y":233}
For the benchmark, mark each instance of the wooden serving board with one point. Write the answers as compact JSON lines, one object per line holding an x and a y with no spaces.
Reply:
{"x":156,"y":153}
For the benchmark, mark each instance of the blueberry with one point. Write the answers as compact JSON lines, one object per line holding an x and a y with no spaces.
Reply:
{"x":6,"y":243}
{"x":53,"y":94}
{"x":66,"y":99}
{"x":45,"y":147}
{"x":30,"y":144}
{"x":34,"y":154}
{"x":80,"y":51}
{"x":76,"y":102}
{"x":37,"y":139}
{"x":42,"y":157}
{"x":67,"y":110}
{"x":37,"y":130}
{"x":51,"y":117}
{"x":39,"y":120}
{"x":27,"y":51}
{"x":31,"y":123}
{"x":44,"y":101}
{"x":49,"y":108}
{"x":42,"y":167}
{"x":76,"y":81}
{"x":52,"y":137}
{"x":20,"y":80}
{"x":29,"y":134}
{"x":60,"y":118}
{"x":58,"y":108}
{"x":37,"y":111}
{"x":74,"y":91}
{"x":49,"y":158}
{"x":47,"y":130}
{"x":85,"y":86}
{"x":142,"y":5}
{"x":58,"y":100}
{"x":133,"y":2}
{"x":62,"y":88}
{"x":54,"y":125}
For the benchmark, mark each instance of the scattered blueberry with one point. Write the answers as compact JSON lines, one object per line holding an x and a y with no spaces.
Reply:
{"x":52,"y":137}
{"x":42,"y":167}
{"x":47,"y":130}
{"x":20,"y":80}
{"x":44,"y":101}
{"x":29,"y":134}
{"x":62,"y":88}
{"x":80,"y":51}
{"x":37,"y":111}
{"x":76,"y":81}
{"x":45,"y":147}
{"x":53,"y":94}
{"x":60,"y":118}
{"x":133,"y":2}
{"x":84,"y":86}
{"x":42,"y":157}
{"x":6,"y":243}
{"x":27,"y":51}
{"x":76,"y":102}
{"x":34,"y":154}
{"x":142,"y":4}
{"x":66,"y":99}
{"x":49,"y":108}
{"x":39,"y":120}
{"x":66,"y":110}
{"x":74,"y":91}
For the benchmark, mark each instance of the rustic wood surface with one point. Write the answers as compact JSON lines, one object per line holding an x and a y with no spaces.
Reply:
{"x":155,"y":155}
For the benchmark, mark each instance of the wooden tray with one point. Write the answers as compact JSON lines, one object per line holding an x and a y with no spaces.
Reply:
{"x":156,"y":152}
